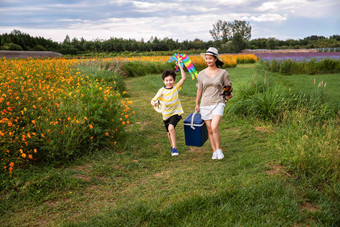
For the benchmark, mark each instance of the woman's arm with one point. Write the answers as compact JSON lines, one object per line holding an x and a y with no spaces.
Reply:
{"x":198,"y":98}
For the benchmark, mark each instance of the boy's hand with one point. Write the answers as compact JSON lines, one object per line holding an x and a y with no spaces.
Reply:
{"x":179,"y":61}
{"x":153,"y":103}
{"x":182,"y":72}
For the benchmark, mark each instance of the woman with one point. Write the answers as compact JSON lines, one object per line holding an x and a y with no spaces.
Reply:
{"x":210,"y":84}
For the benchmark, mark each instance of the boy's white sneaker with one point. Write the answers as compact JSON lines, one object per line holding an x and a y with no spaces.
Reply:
{"x":219,"y":154}
{"x":214,"y":156}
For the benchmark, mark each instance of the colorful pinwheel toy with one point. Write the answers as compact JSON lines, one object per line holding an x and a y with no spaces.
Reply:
{"x":184,"y":61}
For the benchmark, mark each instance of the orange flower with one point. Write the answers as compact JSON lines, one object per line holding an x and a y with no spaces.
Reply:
{"x":35,"y":150}
{"x":91,"y":127}
{"x":126,"y":116}
{"x":107,"y":134}
{"x":10,"y":171}
{"x":123,"y":122}
{"x":23,"y":155}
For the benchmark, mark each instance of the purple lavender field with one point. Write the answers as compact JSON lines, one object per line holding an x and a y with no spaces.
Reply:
{"x":298,"y":56}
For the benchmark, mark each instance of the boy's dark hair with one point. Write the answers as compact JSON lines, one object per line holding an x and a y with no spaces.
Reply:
{"x":167,"y":73}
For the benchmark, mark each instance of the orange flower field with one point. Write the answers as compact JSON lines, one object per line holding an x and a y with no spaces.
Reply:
{"x":230,"y":60}
{"x":48,"y":111}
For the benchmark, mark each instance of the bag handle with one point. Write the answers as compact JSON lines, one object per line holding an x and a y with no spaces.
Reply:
{"x":192,"y":120}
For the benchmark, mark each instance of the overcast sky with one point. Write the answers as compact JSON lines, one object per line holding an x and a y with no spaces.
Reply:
{"x":182,"y":20}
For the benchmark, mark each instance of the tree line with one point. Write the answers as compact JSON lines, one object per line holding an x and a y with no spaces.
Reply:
{"x":229,"y":37}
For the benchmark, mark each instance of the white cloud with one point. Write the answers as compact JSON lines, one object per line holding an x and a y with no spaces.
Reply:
{"x":178,"y":19}
{"x":154,"y":7}
{"x":318,"y":9}
{"x":73,"y":20}
{"x":301,"y":8}
{"x":268,"y":6}
{"x":268,"y":17}
{"x":230,"y":2}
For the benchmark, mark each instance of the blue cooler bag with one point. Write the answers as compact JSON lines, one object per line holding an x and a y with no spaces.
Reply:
{"x":195,"y":130}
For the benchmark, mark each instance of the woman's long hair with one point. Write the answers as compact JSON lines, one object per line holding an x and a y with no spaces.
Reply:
{"x":219,"y":63}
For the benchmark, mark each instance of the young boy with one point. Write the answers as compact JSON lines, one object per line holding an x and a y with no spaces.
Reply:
{"x":173,"y":108}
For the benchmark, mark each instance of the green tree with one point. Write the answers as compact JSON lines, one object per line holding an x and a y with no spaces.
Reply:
{"x":68,"y":49}
{"x":67,"y":40}
{"x":221,"y":31}
{"x":12,"y":46}
{"x":241,"y":27}
{"x":271,"y":43}
{"x":238,"y":43}
{"x":39,"y":48}
{"x":224,"y":31}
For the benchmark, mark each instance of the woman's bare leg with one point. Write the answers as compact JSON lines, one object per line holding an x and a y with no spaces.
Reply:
{"x":210,"y":135}
{"x":215,"y":131}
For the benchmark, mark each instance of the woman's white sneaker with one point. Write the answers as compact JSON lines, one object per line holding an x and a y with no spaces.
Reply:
{"x":214,"y":155}
{"x":219,"y":154}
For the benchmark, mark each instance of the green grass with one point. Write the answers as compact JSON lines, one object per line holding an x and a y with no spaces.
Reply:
{"x":304,"y":82}
{"x":140,"y":184}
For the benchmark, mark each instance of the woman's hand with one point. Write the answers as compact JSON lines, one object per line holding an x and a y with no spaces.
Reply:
{"x":198,"y":98}
{"x":230,"y":96}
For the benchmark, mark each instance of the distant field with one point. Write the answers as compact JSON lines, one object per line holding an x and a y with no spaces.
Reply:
{"x":28,"y":54}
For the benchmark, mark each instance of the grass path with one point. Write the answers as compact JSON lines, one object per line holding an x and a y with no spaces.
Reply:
{"x":140,"y":184}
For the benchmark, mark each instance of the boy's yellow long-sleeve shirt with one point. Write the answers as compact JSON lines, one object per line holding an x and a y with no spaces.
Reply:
{"x":170,"y":98}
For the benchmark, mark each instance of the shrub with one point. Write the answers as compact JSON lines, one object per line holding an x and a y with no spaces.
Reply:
{"x":290,"y":66}
{"x":11,"y":46}
{"x":141,"y":68}
{"x":246,"y":58}
{"x":287,"y":66}
{"x":39,"y":48}
{"x":68,"y":49}
{"x":110,"y":72}
{"x":309,"y":131}
{"x":52,"y":111}
{"x":261,"y":98}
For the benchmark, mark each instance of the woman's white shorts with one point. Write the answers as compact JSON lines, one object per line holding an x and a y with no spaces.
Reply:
{"x":207,"y":112}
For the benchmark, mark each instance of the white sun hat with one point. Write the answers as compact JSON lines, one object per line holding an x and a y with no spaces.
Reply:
{"x":211,"y":51}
